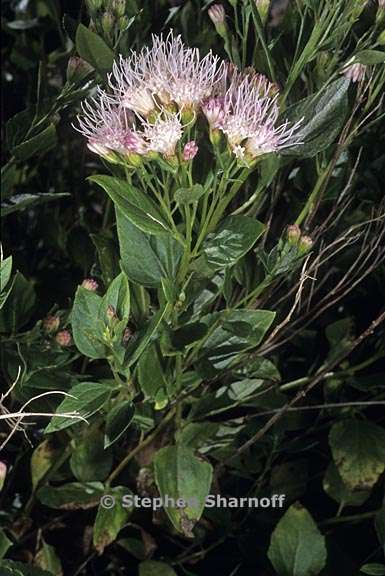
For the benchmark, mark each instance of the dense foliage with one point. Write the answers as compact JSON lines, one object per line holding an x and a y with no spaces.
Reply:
{"x":192,"y":288}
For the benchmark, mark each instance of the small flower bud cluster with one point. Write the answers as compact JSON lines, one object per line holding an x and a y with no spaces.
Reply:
{"x":190,"y":150}
{"x":355,"y":72}
{"x":63,"y":338}
{"x":51,"y":324}
{"x":90,"y":284}
{"x":295,"y":237}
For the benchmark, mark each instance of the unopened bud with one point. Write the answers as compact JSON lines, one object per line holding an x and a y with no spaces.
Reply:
{"x":3,"y":474}
{"x":293,"y":233}
{"x":108,"y":23}
{"x":119,"y":7}
{"x":77,"y":69}
{"x":94,"y":5}
{"x":63,"y":338}
{"x":123,"y":23}
{"x":381,"y":37}
{"x":90,"y":284}
{"x":305,"y":244}
{"x":51,"y":324}
{"x":127,"y":335}
{"x":217,"y":14}
{"x":263,"y":9}
{"x":355,"y":72}
{"x":216,"y":137}
{"x":111,"y":312}
{"x":190,"y":150}
{"x":380,"y":16}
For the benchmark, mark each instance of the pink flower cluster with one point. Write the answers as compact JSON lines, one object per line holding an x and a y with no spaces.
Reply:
{"x":157,"y":92}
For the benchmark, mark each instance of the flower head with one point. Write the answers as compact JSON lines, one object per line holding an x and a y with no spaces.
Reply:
{"x":355,"y":72}
{"x":108,"y":127}
{"x":163,"y":134}
{"x":248,"y":116}
{"x":214,"y":110}
{"x":166,"y":72}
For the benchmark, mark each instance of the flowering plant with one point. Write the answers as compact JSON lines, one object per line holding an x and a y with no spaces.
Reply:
{"x":197,"y":213}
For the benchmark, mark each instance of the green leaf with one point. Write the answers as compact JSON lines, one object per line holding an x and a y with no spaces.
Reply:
{"x":226,"y":397}
{"x":94,"y":50}
{"x":89,"y":460}
{"x":297,"y":547}
{"x":236,"y":331}
{"x":39,"y":144}
{"x":18,"y":307}
{"x":143,"y":337}
{"x":335,"y":487}
{"x":109,"y":521}
{"x":236,"y":236}
{"x":370,"y":57}
{"x":146,"y":259}
{"x":5,"y":543}
{"x":117,"y":296}
{"x":260,"y":367}
{"x":42,"y":460}
{"x":71,"y":496}
{"x":322,"y":115}
{"x":181,"y":475}
{"x":47,"y":559}
{"x":358,"y":449}
{"x":21,"y":201}
{"x":135,"y":205}
{"x":189,"y":195}
{"x":86,"y":324}
{"x":17,"y":127}
{"x":150,"y":375}
{"x":373,"y":569}
{"x":88,"y":398}
{"x":11,"y":568}
{"x":5,"y":272}
{"x":118,"y":420}
{"x":108,"y":255}
{"x":154,"y":568}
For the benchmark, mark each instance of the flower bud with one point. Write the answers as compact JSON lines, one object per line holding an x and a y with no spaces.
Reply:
{"x":127,"y":335}
{"x":293,"y":233}
{"x":77,"y":69}
{"x":90,"y":284}
{"x":380,"y":16}
{"x":63,"y":338}
{"x":51,"y":324}
{"x":94,"y":5}
{"x":355,"y":72}
{"x":123,"y":23}
{"x":381,"y":37}
{"x":119,"y":7}
{"x":190,"y":150}
{"x":111,"y":312}
{"x":3,"y":474}
{"x":263,"y":9}
{"x":108,"y":22}
{"x":305,"y":244}
{"x":217,"y":14}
